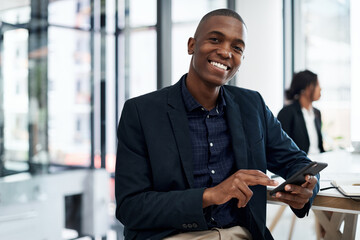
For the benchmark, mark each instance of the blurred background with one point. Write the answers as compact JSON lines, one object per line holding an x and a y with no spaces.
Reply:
{"x":68,"y":66}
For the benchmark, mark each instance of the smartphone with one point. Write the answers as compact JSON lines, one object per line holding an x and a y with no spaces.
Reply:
{"x":299,"y":178}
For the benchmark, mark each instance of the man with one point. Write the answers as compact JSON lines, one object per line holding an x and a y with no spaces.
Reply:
{"x":192,"y":157}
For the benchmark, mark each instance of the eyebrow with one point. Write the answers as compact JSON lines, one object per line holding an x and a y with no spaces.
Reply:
{"x":238,"y":40}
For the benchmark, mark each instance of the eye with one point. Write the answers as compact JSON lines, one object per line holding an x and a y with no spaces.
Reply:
{"x":239,"y":50}
{"x":214,"y":39}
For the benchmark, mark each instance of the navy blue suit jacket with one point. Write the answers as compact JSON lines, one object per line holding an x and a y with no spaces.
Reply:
{"x":154,"y":169}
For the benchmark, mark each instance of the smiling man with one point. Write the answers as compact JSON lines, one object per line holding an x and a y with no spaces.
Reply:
{"x":192,"y":157}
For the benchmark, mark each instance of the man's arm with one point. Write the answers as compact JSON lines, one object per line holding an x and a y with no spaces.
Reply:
{"x":285,"y":159}
{"x":139,"y":205}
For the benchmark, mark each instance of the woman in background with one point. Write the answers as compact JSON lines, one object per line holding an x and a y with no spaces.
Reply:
{"x":300,"y":120}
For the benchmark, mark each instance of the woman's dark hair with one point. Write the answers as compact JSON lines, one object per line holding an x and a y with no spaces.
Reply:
{"x":300,"y":82}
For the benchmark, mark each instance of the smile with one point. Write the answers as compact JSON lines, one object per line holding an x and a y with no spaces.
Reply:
{"x":219,"y":65}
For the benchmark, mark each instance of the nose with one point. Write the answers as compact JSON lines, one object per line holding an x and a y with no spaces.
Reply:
{"x":224,"y":52}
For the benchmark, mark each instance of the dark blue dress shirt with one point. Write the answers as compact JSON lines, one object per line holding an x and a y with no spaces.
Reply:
{"x":213,"y":158}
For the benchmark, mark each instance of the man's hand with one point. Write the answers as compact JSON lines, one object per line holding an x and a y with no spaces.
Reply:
{"x":236,"y":186}
{"x":298,"y":196}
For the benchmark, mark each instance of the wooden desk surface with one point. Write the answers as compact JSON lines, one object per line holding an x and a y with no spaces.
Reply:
{"x":329,"y":203}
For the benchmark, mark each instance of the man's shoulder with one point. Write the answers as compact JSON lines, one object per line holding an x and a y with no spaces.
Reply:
{"x":240,"y":90}
{"x":243,"y":93}
{"x":244,"y":96}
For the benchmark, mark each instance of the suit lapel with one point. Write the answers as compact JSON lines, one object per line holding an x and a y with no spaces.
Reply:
{"x":318,"y":129}
{"x":180,"y":127}
{"x":317,"y":122}
{"x":233,"y":116}
{"x":179,"y":123}
{"x":302,"y":121}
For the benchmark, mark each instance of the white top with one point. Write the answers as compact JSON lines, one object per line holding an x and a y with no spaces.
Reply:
{"x":309,"y":117}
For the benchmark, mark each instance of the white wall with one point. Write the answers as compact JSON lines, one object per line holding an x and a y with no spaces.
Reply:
{"x":262,"y":68}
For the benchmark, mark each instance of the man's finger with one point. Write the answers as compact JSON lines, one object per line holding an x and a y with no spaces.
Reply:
{"x":259,"y":179}
{"x":312,"y":180}
{"x":242,"y":192}
{"x":252,"y":172}
{"x":310,"y":183}
{"x":293,"y":204}
{"x":292,"y":197}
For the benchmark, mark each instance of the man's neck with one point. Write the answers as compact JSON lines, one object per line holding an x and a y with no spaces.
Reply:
{"x":206,"y":95}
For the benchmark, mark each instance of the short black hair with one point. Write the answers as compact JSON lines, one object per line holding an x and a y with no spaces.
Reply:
{"x":220,"y":12}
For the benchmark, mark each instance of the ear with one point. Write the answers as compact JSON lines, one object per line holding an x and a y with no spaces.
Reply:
{"x":191,"y":45}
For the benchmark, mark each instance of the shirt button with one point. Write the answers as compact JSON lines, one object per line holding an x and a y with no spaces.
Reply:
{"x":184,"y":225}
{"x":211,"y":144}
{"x":213,"y":171}
{"x":203,"y":109}
{"x":208,"y":116}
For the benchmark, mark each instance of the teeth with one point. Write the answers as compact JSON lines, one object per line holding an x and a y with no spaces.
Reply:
{"x":219,"y":65}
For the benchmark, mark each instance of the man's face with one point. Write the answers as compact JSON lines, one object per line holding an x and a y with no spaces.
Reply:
{"x":217,"y":50}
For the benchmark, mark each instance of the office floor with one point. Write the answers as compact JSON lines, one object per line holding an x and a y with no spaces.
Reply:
{"x":303,"y":229}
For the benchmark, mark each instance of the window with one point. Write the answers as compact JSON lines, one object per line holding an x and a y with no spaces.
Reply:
{"x":185,"y":20}
{"x":355,"y":71}
{"x":323,"y":45}
{"x":75,"y":14}
{"x":142,"y":62}
{"x":138,"y":49}
{"x":15,"y":149}
{"x":69,"y":105}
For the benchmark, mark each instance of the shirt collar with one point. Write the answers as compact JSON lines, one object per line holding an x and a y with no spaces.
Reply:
{"x":307,"y":112}
{"x":191,"y":103}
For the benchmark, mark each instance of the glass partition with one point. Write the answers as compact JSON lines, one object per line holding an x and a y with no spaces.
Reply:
{"x":142,"y":13}
{"x":69,"y":96}
{"x":16,"y":16}
{"x":15,"y":99}
{"x":46,"y":77}
{"x":142,"y":62}
{"x":74,"y":14}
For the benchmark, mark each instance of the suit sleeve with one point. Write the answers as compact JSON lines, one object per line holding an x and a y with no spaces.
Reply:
{"x":139,"y":206}
{"x":283,"y":156}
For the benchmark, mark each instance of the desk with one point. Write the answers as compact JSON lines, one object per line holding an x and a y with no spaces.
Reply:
{"x":341,"y":164}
